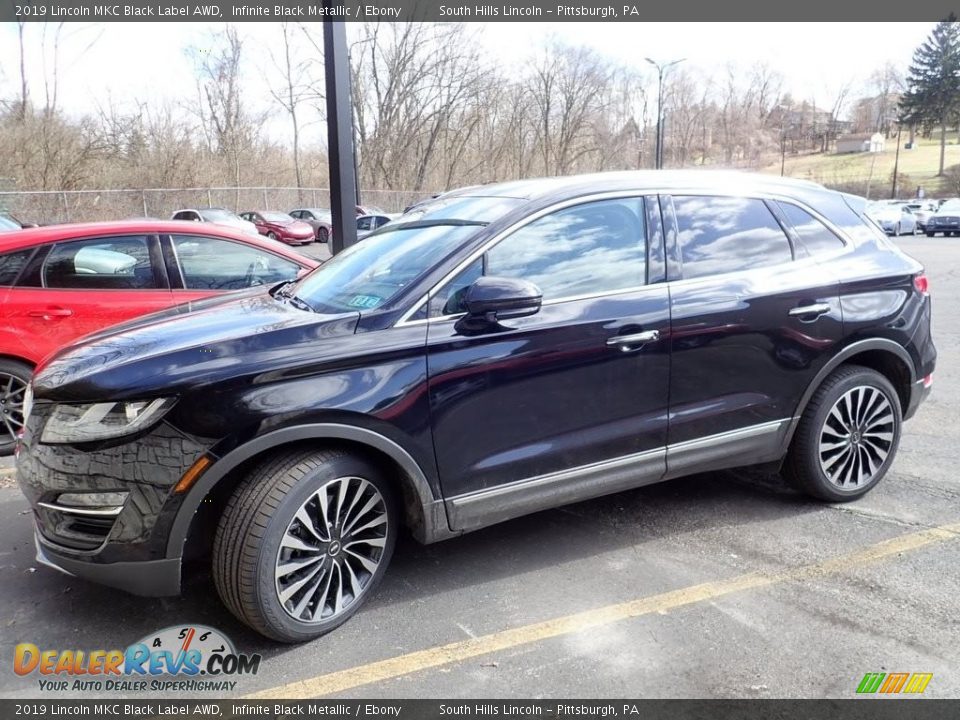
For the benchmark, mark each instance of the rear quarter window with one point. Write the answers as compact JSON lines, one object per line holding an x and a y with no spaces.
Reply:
{"x":12,"y":263}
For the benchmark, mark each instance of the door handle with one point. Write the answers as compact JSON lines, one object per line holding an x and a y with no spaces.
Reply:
{"x":50,"y":313}
{"x":632,"y":342}
{"x":817,"y":309}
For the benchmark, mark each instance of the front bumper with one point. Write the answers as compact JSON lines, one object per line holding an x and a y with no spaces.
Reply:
{"x":124,"y":546}
{"x":153,"y":578}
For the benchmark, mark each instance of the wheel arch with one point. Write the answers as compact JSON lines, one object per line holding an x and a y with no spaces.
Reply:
{"x":423,"y":512}
{"x":887,"y":357}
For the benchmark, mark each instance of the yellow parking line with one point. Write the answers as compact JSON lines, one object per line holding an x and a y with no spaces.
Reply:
{"x":394,"y":667}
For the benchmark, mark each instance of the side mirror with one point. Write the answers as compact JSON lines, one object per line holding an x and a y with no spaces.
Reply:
{"x":492,"y":299}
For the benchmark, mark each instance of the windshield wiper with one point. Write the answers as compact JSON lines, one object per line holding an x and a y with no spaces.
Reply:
{"x":283,"y":292}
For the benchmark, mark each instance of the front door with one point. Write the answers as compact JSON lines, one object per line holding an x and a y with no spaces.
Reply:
{"x":571,"y":402}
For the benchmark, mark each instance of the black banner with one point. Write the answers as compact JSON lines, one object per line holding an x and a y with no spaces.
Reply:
{"x":858,"y":709}
{"x":466,"y":11}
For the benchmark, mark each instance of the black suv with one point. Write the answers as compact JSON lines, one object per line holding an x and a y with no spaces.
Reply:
{"x":495,"y":352}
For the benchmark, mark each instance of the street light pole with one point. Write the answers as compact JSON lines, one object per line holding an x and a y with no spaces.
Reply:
{"x":661,"y":69}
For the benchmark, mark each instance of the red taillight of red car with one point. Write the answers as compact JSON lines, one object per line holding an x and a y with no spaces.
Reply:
{"x":922,"y":285}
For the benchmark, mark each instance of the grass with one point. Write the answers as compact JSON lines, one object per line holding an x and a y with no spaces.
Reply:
{"x":919,"y":165}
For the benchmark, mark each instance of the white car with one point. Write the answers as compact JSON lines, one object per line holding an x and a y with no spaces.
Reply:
{"x":922,"y":210}
{"x":217,"y":216}
{"x":893,"y":218}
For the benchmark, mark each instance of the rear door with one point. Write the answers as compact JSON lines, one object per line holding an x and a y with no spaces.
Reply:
{"x":754,"y":319}
{"x":76,"y":287}
{"x":568,"y":403}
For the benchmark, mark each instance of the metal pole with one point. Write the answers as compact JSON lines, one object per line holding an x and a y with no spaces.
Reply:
{"x":661,"y":69}
{"x":659,"y":118}
{"x":896,"y":164}
{"x":343,"y":184}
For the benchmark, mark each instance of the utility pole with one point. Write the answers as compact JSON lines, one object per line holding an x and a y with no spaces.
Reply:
{"x":896,"y":163}
{"x":661,"y":69}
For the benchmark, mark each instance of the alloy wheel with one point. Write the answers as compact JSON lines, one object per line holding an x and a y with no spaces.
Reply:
{"x":331,"y":549}
{"x":12,"y":390}
{"x":857,"y":437}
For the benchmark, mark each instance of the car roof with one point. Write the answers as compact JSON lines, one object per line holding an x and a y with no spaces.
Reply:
{"x":662,"y":180}
{"x":29,"y":237}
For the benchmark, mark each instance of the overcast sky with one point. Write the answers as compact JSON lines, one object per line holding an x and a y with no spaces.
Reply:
{"x":140,"y":61}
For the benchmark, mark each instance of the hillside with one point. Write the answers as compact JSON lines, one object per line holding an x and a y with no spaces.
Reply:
{"x":872,"y":173}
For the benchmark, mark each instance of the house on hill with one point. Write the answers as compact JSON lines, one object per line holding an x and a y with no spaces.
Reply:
{"x":862,"y":142}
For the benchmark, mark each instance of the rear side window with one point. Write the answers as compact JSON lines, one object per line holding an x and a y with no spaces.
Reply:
{"x":816,"y":237}
{"x":119,"y":263}
{"x":724,"y":234}
{"x":12,"y":263}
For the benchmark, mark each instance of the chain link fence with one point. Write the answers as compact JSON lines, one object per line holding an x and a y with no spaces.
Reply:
{"x":46,"y":207}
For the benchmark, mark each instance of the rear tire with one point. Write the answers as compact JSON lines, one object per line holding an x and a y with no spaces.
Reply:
{"x":847,"y":437}
{"x":303,"y":542}
{"x":14,"y":377}
{"x":323,"y":235}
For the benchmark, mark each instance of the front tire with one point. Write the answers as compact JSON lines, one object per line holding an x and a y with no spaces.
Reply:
{"x":272,"y":235}
{"x":323,"y":235}
{"x":14,"y":377}
{"x":847,"y":437}
{"x":303,"y":542}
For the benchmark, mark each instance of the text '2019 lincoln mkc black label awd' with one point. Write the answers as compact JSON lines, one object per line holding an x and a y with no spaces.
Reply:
{"x":494,"y":352}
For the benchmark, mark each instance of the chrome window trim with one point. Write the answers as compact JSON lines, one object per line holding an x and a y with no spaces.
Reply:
{"x":848,"y":243}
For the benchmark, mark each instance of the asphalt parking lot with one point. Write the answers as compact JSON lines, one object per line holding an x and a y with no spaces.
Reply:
{"x":722,"y":585}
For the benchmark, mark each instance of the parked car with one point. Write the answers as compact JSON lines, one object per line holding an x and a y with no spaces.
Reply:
{"x":551,"y":341}
{"x":369,"y":210}
{"x":922,"y":210}
{"x":320,"y":220}
{"x":216,"y":216}
{"x":893,"y":218}
{"x":280,"y":226}
{"x":59,"y":283}
{"x":945,"y":220}
{"x":366,"y":224}
{"x":6,"y":219}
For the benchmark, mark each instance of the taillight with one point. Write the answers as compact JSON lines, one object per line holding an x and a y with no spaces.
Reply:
{"x":922,"y":285}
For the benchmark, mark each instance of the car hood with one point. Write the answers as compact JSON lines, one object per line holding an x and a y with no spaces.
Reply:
{"x":189,"y":345}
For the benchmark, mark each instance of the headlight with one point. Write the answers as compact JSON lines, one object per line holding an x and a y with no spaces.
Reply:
{"x":100,"y":421}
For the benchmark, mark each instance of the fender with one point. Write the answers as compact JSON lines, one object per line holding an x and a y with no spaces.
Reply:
{"x":433,"y":525}
{"x":845,"y":354}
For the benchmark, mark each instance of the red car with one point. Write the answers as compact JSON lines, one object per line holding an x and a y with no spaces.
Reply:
{"x":280,"y":226}
{"x":61,"y":282}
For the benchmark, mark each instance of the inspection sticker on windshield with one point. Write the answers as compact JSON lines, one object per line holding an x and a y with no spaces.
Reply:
{"x":365,"y":301}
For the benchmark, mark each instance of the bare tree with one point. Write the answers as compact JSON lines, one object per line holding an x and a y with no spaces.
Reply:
{"x":295,"y":88}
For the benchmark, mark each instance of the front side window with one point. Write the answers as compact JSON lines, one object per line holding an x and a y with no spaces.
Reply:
{"x":591,"y":248}
{"x":816,"y":237}
{"x":213,"y":264}
{"x":120,"y":263}
{"x":725,"y":234}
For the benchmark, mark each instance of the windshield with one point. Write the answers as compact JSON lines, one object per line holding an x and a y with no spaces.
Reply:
{"x":370,"y":273}
{"x":7,"y":224}
{"x":276,"y":217}
{"x":217,"y":214}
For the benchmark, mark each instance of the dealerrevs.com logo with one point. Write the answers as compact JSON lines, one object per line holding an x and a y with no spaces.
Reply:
{"x":176,"y":659}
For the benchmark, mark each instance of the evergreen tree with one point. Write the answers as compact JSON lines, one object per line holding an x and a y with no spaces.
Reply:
{"x":933,"y":82}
